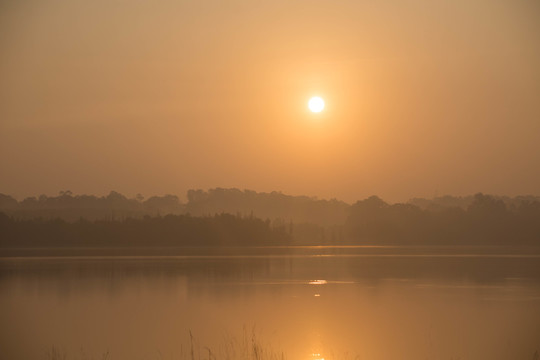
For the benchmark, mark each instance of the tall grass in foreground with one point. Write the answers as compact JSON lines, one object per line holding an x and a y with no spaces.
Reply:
{"x":247,"y":347}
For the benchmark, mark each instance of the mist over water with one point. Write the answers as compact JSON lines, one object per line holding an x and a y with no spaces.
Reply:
{"x":345,"y":303}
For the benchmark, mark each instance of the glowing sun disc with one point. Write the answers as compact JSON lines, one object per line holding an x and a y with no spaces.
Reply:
{"x":316,"y":104}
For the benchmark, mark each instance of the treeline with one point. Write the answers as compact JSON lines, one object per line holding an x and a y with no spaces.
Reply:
{"x":486,"y":221}
{"x":275,"y":206}
{"x":71,"y":207}
{"x":463,"y":202}
{"x":169,"y":230}
{"x":471,"y":220}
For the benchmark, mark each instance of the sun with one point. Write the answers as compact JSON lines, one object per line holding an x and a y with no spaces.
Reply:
{"x":316,"y":104}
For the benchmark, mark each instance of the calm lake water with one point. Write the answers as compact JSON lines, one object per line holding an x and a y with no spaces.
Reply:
{"x":311,"y":303}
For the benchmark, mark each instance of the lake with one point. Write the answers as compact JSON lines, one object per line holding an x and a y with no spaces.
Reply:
{"x":309,"y":303}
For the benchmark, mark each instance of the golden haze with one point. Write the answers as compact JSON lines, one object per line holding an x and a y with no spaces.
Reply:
{"x":422,"y":97}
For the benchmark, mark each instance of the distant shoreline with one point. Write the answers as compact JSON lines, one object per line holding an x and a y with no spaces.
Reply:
{"x":268,"y":251}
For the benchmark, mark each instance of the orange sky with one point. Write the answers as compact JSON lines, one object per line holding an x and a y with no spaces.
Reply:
{"x":423,"y":97}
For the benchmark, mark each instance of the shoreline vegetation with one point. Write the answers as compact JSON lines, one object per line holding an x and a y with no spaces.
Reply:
{"x":248,"y":346}
{"x":229,"y":218}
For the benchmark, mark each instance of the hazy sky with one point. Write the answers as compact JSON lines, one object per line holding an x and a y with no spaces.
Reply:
{"x":423,"y":97}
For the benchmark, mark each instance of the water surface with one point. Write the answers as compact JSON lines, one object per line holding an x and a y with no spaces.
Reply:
{"x":310,"y":302}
